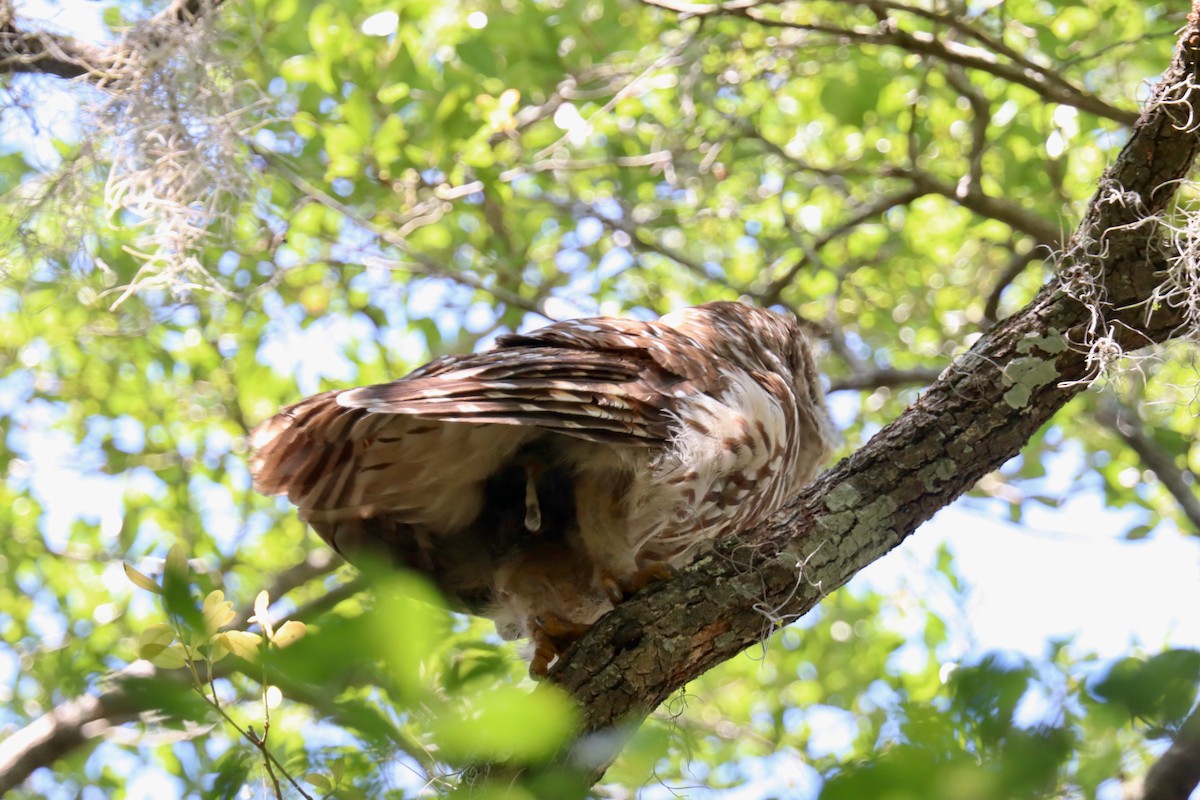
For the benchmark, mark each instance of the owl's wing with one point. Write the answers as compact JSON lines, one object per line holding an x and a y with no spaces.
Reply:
{"x":400,"y":447}
{"x":605,"y":380}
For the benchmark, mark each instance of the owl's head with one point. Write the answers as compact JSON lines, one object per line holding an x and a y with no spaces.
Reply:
{"x":761,"y":340}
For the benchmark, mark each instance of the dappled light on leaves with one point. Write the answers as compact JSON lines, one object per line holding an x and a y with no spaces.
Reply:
{"x":506,"y":723}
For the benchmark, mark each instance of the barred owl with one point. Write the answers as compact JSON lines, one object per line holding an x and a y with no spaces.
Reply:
{"x":541,"y":482}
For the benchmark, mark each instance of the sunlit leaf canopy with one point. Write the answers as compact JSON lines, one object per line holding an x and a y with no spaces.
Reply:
{"x":282,"y":197}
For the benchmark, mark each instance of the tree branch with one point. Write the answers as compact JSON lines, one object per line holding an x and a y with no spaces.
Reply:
{"x":889,"y":33}
{"x":1125,"y":423}
{"x":77,"y":722}
{"x":42,"y":52}
{"x":976,"y":416}
{"x":878,"y":378}
{"x":920,"y":182}
{"x":864,"y":213}
{"x":1177,"y":772}
{"x":981,"y":117}
{"x":59,"y":732}
{"x":1015,"y":266}
{"x":1014,"y":216}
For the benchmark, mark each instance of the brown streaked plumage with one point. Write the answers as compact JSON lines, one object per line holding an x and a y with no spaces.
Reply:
{"x":541,"y":481}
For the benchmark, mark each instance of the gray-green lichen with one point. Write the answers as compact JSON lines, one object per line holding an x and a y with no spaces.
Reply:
{"x":1025,"y":375}
{"x":1052,"y":342}
{"x":940,"y":471}
{"x":842,"y":497}
{"x":876,"y":514}
{"x":835,"y":524}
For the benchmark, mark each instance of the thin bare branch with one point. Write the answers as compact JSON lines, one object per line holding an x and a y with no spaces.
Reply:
{"x":663,"y":61}
{"x":1179,"y":481}
{"x":863,"y":214}
{"x":981,"y":116}
{"x":1016,"y":217}
{"x":890,"y":378}
{"x":1015,"y":266}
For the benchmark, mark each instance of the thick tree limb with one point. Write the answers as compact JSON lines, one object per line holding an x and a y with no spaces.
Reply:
{"x":976,"y":416}
{"x":59,"y":732}
{"x":1177,"y":772}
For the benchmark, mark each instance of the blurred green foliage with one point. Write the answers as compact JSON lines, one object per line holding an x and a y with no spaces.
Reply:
{"x":397,"y":182}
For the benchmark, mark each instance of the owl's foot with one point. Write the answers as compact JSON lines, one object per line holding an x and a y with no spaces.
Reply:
{"x":552,"y":634}
{"x":621,"y":589}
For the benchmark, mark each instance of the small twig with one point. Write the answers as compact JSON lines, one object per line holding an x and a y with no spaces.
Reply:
{"x":624,"y":92}
{"x":268,"y":757}
{"x":981,"y":117}
{"x":771,"y":294}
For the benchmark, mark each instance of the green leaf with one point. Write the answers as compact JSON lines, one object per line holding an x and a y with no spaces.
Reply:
{"x":218,"y":612}
{"x":479,"y":55}
{"x":242,"y":644}
{"x":301,"y":69}
{"x":1138,"y":532}
{"x":233,"y":770}
{"x":171,"y":656}
{"x":288,"y":632}
{"x":177,"y":562}
{"x":155,"y":637}
{"x":140,"y":580}
{"x":318,"y":782}
{"x":506,"y":723}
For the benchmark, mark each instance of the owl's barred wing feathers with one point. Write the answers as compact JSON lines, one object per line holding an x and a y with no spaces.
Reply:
{"x":377,"y":447}
{"x":598,"y":379}
{"x":581,"y":393}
